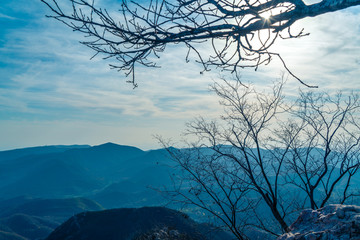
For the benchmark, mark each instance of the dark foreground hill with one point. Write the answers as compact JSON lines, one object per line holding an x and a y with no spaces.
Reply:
{"x":135,"y":224}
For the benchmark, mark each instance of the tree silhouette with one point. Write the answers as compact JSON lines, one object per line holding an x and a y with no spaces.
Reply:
{"x":240,"y":32}
{"x":265,"y":160}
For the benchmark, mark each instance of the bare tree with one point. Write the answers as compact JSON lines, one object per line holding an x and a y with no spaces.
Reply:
{"x":239,"y":169}
{"x":210,"y":183}
{"x":266,"y":160}
{"x":328,"y":150}
{"x":240,"y":33}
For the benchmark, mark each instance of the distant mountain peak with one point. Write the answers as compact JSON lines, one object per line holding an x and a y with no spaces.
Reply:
{"x":110,"y":145}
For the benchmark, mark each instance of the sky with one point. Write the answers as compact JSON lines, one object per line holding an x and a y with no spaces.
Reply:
{"x":51,"y":93}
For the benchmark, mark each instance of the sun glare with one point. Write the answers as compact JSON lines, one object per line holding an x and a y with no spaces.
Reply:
{"x":266,"y":15}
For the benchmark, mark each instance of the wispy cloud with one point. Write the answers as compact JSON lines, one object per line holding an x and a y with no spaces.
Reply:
{"x":48,"y":82}
{"x":6,"y":17}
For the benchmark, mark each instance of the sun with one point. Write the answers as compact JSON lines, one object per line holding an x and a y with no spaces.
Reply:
{"x":266,"y":15}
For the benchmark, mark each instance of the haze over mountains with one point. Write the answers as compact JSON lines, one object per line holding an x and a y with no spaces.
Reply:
{"x":68,"y":171}
{"x":46,"y":188}
{"x":28,"y":218}
{"x":42,"y":187}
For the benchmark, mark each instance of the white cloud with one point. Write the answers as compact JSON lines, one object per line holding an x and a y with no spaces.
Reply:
{"x":327,"y":57}
{"x":6,"y":16}
{"x":61,"y":94}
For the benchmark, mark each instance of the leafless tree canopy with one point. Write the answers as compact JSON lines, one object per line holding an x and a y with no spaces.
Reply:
{"x":264,"y":160}
{"x":240,"y":32}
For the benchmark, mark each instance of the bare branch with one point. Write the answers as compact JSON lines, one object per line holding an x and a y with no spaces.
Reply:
{"x":240,"y":33}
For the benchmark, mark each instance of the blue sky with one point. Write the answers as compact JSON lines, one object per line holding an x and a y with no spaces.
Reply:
{"x":52,"y":93}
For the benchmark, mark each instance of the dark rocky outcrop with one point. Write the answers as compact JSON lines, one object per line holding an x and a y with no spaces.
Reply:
{"x":133,"y":223}
{"x":333,"y":222}
{"x":164,"y":233}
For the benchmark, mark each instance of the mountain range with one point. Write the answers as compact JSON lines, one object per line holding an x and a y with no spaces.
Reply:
{"x":42,"y":187}
{"x":95,"y":172}
{"x":30,"y":218}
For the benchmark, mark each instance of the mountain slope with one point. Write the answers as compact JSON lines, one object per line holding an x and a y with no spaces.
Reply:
{"x":130,"y":223}
{"x":54,"y":178}
{"x":61,"y":208}
{"x":28,"y":227}
{"x":77,"y":171}
{"x":17,"y":153}
{"x":10,"y":236}
{"x":30,"y":218}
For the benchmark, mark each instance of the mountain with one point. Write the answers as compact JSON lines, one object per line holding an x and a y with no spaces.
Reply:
{"x":132,"y":223}
{"x":60,"y":208}
{"x":10,"y":236}
{"x":83,"y":178}
{"x":58,"y":172}
{"x":55,"y":178}
{"x":140,"y":175}
{"x":27,"y":227}
{"x":27,"y":218}
{"x":127,"y":194}
{"x":17,"y":153}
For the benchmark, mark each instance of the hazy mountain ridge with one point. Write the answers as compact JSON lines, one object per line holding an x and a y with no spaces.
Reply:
{"x":10,"y":236}
{"x":21,"y":152}
{"x":78,"y":171}
{"x":49,"y":207}
{"x":110,"y":175}
{"x":27,"y":218}
{"x":114,"y":174}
